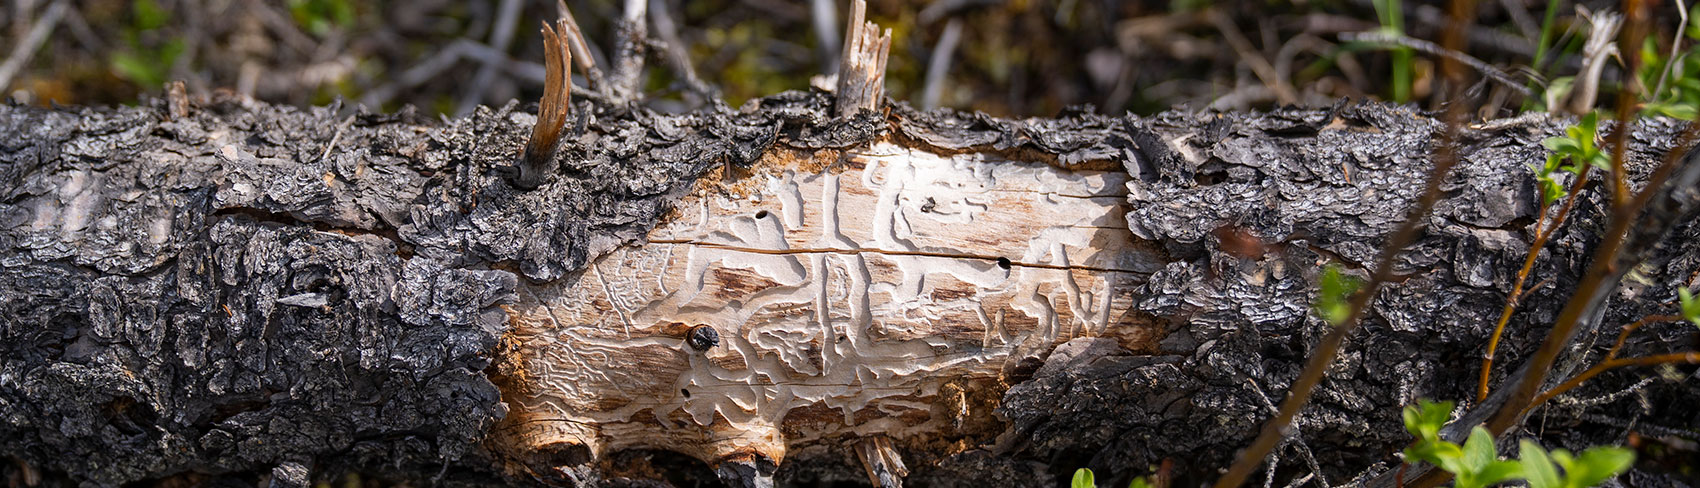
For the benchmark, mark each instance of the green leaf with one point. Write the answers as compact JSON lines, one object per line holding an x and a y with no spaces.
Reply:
{"x":1551,"y":165}
{"x":1537,"y":468}
{"x":1446,"y":455}
{"x":1563,"y":146}
{"x":1596,"y":465}
{"x":1690,"y":306}
{"x":1425,"y":419}
{"x":1684,"y":111}
{"x":148,"y":15}
{"x":1083,"y":479}
{"x":1478,"y":450}
{"x":1599,"y":159}
{"x":1450,"y":457}
{"x":1562,"y":457}
{"x":1551,"y":191}
{"x":1333,"y":299}
{"x":1139,"y":482}
{"x":1497,"y":472}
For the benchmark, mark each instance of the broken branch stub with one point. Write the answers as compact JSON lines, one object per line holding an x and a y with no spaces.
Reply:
{"x":850,"y":300}
{"x":861,"y":69}
{"x":552,"y":110}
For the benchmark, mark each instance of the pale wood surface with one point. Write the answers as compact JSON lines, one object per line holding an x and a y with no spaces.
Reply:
{"x":845,"y":300}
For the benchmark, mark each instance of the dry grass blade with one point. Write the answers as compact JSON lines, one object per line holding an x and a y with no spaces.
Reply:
{"x":1259,"y":65}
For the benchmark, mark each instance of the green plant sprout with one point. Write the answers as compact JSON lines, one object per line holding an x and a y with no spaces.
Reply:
{"x":1673,"y":79}
{"x":321,"y":16}
{"x":1392,"y":16}
{"x":1690,"y":307}
{"x":1594,"y":466}
{"x":1333,"y":299}
{"x":1576,"y":146}
{"x":1083,"y":478}
{"x":141,"y":62}
{"x":1477,"y":464}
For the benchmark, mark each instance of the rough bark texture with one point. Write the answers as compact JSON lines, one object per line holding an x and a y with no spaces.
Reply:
{"x":263,"y":293}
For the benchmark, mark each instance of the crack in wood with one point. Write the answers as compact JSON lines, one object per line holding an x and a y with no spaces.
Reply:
{"x":891,"y":252}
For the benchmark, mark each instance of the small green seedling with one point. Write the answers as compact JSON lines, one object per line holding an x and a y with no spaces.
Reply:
{"x":1577,"y":147}
{"x":1083,"y":479}
{"x":143,"y":57}
{"x":1333,"y":300}
{"x":1425,"y":419}
{"x":1690,"y":306}
{"x":1476,"y":464}
{"x":1671,"y":78}
{"x":1594,"y":466}
{"x":322,"y":16}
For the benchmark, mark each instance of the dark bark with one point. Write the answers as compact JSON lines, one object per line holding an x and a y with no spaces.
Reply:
{"x":256,"y":292}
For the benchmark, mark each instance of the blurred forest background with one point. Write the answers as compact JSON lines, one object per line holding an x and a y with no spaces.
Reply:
{"x":1004,"y":57}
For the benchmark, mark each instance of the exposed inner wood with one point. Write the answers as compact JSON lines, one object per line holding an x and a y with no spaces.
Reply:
{"x":851,"y":301}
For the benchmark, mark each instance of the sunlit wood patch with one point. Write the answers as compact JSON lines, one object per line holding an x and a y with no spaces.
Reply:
{"x":845,"y":300}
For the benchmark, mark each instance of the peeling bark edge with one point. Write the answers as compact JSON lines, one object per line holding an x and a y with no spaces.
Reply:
{"x":205,"y":294}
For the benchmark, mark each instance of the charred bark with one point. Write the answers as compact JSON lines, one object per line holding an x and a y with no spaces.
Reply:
{"x":253,"y":292}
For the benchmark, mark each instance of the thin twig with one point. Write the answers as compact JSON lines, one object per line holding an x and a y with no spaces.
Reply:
{"x":1265,"y":71}
{"x":1492,"y":73}
{"x":824,"y":18}
{"x":677,"y":58}
{"x":1628,"y":329}
{"x":582,"y":52}
{"x":940,"y":64}
{"x":1516,"y":296}
{"x":1634,"y":32}
{"x":282,"y":26}
{"x":1520,"y":17}
{"x":1297,"y":440}
{"x":1678,"y":357}
{"x":629,"y":51}
{"x":26,"y":48}
{"x":336,"y":137}
{"x":507,"y":16}
{"x":446,"y":58}
{"x":1672,"y":59}
{"x":80,"y":30}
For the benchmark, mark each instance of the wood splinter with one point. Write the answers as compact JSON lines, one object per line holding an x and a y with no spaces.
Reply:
{"x":861,"y":68}
{"x":884,"y":465}
{"x":552,"y":110}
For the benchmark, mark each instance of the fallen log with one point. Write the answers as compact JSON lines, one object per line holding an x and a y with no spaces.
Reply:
{"x":815,"y":287}
{"x":259,"y":292}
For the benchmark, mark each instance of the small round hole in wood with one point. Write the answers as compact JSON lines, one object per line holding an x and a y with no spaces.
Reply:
{"x":702,"y":338}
